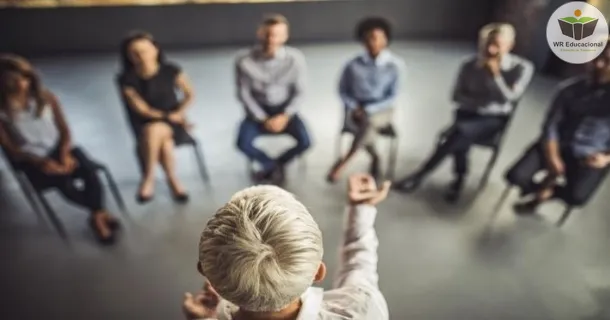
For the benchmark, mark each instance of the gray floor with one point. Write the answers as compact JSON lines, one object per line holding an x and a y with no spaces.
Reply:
{"x":436,"y":261}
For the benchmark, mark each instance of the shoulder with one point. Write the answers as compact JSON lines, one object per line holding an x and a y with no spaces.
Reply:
{"x":568,"y":85}
{"x":518,"y":61}
{"x":355,"y":303}
{"x":127,"y":79}
{"x":244,"y":56}
{"x":395,"y":61}
{"x":171,"y":69}
{"x":352,"y":62}
{"x":295,"y":55}
{"x":469,"y":62}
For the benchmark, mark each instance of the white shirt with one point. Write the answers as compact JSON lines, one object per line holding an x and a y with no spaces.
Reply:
{"x":35,"y":135}
{"x":277,"y":82}
{"x":356,"y":294}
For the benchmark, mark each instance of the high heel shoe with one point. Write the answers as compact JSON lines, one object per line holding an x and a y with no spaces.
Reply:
{"x":181,"y":197}
{"x":109,"y":240}
{"x":144,"y":199}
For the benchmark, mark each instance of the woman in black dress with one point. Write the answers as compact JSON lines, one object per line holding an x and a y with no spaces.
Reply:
{"x":149,"y":86}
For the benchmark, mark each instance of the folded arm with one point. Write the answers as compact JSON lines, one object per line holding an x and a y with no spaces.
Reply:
{"x":137,"y":104}
{"x":298,"y":88}
{"x":514,"y":92}
{"x":461,"y":94}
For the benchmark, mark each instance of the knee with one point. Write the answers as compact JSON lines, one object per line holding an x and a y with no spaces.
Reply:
{"x":518,"y":177}
{"x":577,"y":198}
{"x":244,"y":144}
{"x":304,"y":143}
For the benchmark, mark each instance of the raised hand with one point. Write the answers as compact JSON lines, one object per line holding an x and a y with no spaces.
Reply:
{"x":202,"y":305}
{"x":362,"y":189}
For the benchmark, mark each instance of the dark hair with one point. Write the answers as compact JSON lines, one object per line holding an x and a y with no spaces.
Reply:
{"x":11,"y":65}
{"x":126,"y":63}
{"x":273,"y":19}
{"x":369,"y":24}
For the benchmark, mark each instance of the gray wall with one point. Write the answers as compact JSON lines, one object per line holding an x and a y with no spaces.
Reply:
{"x":70,"y":30}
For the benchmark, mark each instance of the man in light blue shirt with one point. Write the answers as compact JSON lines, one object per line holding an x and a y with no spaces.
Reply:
{"x":368,"y":88}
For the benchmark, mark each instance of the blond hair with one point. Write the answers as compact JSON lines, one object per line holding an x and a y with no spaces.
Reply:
{"x":505,"y":30}
{"x":261,"y":250}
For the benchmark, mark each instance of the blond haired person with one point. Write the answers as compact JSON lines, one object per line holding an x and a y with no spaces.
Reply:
{"x":262,"y":252}
{"x":488,"y":86}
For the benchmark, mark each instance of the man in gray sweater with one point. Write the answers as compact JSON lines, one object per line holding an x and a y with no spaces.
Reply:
{"x":270,"y":84}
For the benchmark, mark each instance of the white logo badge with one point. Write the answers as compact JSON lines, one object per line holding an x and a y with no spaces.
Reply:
{"x":577,"y":32}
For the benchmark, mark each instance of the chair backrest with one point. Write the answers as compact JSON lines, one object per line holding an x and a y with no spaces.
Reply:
{"x":132,"y":118}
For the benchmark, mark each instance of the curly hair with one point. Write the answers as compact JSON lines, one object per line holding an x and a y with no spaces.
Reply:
{"x":369,"y":24}
{"x":13,"y":65}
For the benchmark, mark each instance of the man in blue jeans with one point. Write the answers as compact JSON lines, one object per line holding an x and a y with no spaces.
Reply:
{"x":270,"y":85}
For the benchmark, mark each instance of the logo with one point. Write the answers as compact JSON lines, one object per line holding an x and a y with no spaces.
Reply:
{"x":577,"y":32}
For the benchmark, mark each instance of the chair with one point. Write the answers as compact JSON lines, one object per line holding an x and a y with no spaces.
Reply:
{"x":388,"y":132}
{"x":494,"y":143}
{"x":35,"y":194}
{"x":188,"y":140}
{"x":569,"y":207}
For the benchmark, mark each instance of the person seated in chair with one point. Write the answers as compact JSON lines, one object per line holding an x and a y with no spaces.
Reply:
{"x":575,"y":143}
{"x":487,"y":89}
{"x":270,"y":85}
{"x":36,"y":138}
{"x":149,"y":86}
{"x":262,"y":253}
{"x":368,"y":88}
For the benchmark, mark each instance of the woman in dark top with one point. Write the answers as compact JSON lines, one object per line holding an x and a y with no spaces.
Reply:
{"x":149,"y":86}
{"x":37,"y":140}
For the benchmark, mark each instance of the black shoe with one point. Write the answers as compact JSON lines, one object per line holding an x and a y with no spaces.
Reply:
{"x":181,"y":197}
{"x":142,"y":199}
{"x":409,"y":184}
{"x":262,"y":176}
{"x":527,"y":207}
{"x":278,"y":176}
{"x":109,"y":240}
{"x":455,"y":190}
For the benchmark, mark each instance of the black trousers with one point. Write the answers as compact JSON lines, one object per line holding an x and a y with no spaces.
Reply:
{"x":581,"y":180}
{"x":467,"y":128}
{"x":90,"y":195}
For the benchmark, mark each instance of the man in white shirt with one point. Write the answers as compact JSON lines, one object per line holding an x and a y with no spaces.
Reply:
{"x":262,"y":252}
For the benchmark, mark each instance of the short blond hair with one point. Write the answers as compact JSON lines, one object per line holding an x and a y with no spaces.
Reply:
{"x":261,"y":250}
{"x":505,"y":30}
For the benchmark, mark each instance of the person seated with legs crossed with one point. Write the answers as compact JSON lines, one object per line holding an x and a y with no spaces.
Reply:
{"x":487,"y":89}
{"x":36,"y":137}
{"x":575,"y":144}
{"x":368,"y":89}
{"x":270,"y":85}
{"x":149,"y":85}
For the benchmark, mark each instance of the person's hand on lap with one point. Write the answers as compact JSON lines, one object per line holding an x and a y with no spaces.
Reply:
{"x":362,"y":189}
{"x":277,"y":123}
{"x":53,"y":167}
{"x":202,"y":305}
{"x":598,"y":160}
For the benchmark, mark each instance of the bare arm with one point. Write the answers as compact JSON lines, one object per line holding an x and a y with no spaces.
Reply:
{"x":65,"y":142}
{"x":135,"y":101}
{"x":184,"y":84}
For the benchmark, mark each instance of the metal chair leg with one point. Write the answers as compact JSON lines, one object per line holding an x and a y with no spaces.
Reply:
{"x":565,"y":215}
{"x":393,"y":158}
{"x":488,"y":169}
{"x":498,"y":206}
{"x":114,"y":189}
{"x":28,"y":193}
{"x":59,"y":227}
{"x":201,"y":163}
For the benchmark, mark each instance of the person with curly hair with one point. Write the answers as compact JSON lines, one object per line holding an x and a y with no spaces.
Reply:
{"x":368,"y":88}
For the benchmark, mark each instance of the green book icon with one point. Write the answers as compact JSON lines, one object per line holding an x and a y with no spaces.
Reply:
{"x":577,"y":28}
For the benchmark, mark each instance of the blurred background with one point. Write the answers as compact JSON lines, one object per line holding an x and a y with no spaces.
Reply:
{"x":437,"y":261}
